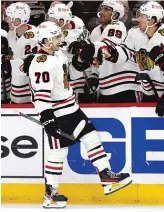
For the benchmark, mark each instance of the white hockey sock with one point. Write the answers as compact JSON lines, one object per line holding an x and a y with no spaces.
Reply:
{"x":95,"y":150}
{"x":99,"y":158}
{"x":54,"y":166}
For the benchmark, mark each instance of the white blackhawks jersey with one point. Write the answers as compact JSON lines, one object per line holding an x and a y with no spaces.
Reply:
{"x":112,"y":78}
{"x":20,"y":91}
{"x":49,"y":84}
{"x":21,"y":47}
{"x":96,"y":33}
{"x":78,"y":33}
{"x":138,"y":40}
{"x":155,"y":74}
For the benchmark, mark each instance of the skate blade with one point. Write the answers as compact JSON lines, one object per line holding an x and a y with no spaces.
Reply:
{"x":124,"y":183}
{"x":58,"y":205}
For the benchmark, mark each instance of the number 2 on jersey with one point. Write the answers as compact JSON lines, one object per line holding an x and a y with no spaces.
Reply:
{"x":29,"y":49}
{"x":42,"y":77}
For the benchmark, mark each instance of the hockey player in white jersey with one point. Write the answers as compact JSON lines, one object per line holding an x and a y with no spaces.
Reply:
{"x":142,"y":39}
{"x":74,"y":31}
{"x":149,"y":18}
{"x":115,"y":84}
{"x":54,"y":100}
{"x":22,"y":40}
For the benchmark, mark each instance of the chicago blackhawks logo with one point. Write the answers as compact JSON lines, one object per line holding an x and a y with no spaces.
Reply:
{"x":65,"y":76}
{"x":41,"y":58}
{"x":29,"y":35}
{"x":161,"y":31}
{"x":143,"y":60}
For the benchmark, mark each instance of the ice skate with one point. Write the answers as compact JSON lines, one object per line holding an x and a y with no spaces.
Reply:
{"x":52,"y":199}
{"x":109,"y":178}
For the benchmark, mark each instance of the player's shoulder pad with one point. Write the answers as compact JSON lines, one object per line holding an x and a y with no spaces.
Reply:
{"x":41,"y":58}
{"x":30,"y":32}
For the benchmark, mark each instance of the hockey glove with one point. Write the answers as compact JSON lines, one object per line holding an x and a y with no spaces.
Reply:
{"x":80,"y":66}
{"x":50,"y":123}
{"x":157,"y":56}
{"x":91,"y":84}
{"x":160,"y":107}
{"x":74,"y":47}
{"x":87,"y":51}
{"x":110,"y":52}
{"x":27,"y":63}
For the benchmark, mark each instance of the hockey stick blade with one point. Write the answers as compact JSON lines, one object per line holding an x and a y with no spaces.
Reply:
{"x":72,"y":137}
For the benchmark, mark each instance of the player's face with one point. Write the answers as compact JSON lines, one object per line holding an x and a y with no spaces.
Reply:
{"x":142,"y":20}
{"x":56,"y":41}
{"x":105,"y":14}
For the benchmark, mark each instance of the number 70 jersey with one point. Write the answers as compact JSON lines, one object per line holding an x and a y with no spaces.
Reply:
{"x":49,"y":84}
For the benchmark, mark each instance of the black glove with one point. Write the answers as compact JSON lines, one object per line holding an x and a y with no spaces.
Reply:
{"x":91,"y":84}
{"x":87,"y":51}
{"x":74,"y":47}
{"x":157,"y":56}
{"x":27,"y":63}
{"x":160,"y":107}
{"x":112,"y":51}
{"x":50,"y":123}
{"x":80,"y":66}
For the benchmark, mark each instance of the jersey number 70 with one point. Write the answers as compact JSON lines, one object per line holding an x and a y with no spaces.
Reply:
{"x":42,"y":77}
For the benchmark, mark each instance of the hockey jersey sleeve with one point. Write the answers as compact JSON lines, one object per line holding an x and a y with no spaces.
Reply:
{"x":41,"y":82}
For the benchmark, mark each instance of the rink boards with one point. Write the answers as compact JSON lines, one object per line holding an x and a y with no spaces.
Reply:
{"x":133,"y":138}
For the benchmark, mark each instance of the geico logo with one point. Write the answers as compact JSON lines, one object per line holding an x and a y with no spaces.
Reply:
{"x":16,"y":147}
{"x":131,"y":144}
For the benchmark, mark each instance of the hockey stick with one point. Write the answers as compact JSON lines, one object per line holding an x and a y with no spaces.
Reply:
{"x":72,"y":137}
{"x":145,"y":76}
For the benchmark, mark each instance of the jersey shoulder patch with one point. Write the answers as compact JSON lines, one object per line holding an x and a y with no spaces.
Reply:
{"x":65,"y":33}
{"x":161,"y":31}
{"x":41,"y":58}
{"x":29,"y":34}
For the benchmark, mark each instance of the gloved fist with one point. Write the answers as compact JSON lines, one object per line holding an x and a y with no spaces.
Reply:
{"x":160,"y":107}
{"x":80,"y":65}
{"x":50,"y":123}
{"x":91,"y":84}
{"x":110,"y":52}
{"x":74,"y":47}
{"x":157,"y":56}
{"x":87,"y":51}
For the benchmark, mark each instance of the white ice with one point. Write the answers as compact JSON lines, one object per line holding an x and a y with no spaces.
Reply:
{"x":109,"y":208}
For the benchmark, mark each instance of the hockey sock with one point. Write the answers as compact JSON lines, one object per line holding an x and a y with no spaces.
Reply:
{"x":95,"y":150}
{"x":54,"y":166}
